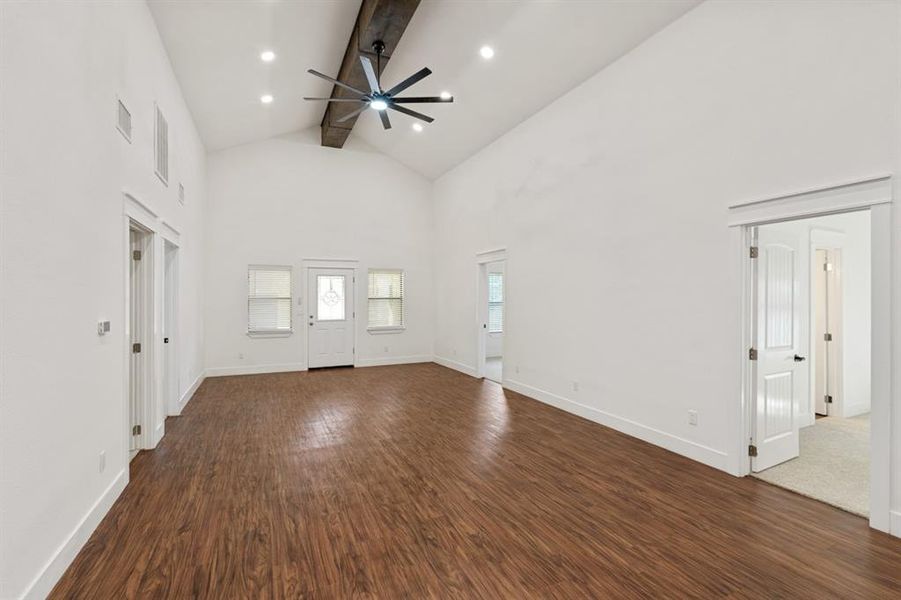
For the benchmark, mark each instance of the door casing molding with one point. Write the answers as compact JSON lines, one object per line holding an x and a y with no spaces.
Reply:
{"x":482,"y":261}
{"x":875,"y":195}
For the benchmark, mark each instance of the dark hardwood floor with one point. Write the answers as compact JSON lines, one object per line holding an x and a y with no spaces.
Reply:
{"x":417,"y":482}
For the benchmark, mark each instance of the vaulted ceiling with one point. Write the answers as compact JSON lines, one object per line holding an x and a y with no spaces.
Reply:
{"x":542,"y":50}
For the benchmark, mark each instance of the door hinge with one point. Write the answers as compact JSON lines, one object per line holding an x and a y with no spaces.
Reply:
{"x":752,"y":354}
{"x":136,"y":254}
{"x":755,"y":252}
{"x":828,"y":399}
{"x":136,"y":430}
{"x":135,"y":348}
{"x":827,"y":337}
{"x":752,"y":450}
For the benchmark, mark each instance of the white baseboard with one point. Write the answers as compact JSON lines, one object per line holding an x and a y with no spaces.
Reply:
{"x":895,"y":523}
{"x":186,"y":397}
{"x":392,"y":360}
{"x":255,"y":369}
{"x":457,"y":366}
{"x":41,"y":586}
{"x":693,"y":450}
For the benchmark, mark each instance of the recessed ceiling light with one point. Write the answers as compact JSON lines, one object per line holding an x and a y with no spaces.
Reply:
{"x":267,"y":56}
{"x":445,"y":95}
{"x":378,"y":104}
{"x":266,"y":98}
{"x":417,"y":127}
{"x":486,"y":52}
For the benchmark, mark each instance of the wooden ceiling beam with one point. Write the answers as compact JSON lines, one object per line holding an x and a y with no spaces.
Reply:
{"x":384,"y":20}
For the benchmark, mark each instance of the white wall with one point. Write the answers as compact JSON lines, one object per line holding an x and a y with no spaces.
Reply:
{"x":287,"y":199}
{"x":64,"y":168}
{"x":854,"y":241}
{"x":622,"y":187}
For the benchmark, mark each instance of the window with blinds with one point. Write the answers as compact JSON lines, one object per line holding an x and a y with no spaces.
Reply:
{"x":386,"y":299}
{"x":268,"y":299}
{"x":495,"y":302}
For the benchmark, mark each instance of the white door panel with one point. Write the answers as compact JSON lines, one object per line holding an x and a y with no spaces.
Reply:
{"x":331,"y":317}
{"x":781,"y":370}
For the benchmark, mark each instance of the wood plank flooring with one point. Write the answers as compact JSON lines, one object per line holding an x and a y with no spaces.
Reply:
{"x":419,"y":482}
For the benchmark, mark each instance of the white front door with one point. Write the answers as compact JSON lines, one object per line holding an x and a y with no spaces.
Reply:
{"x":781,"y":370}
{"x":331,"y":317}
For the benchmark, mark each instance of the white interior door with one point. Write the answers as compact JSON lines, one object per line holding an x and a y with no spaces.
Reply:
{"x":781,"y":370}
{"x":330,"y":342}
{"x":170,"y":325}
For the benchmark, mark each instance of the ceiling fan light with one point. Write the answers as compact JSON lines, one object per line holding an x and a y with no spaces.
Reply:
{"x":378,"y":104}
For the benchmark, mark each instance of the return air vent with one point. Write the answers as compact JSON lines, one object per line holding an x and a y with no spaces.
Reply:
{"x":161,"y":146}
{"x":123,"y":121}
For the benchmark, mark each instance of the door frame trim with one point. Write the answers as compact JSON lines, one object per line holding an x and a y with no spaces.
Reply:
{"x":135,"y":210}
{"x":875,"y":195}
{"x":326,"y":263}
{"x":483,"y":259}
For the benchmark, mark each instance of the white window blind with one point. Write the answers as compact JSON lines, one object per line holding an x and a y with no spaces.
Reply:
{"x":386,"y":299}
{"x":495,"y":302}
{"x":268,"y":299}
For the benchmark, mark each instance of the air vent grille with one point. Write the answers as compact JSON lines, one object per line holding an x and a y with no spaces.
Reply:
{"x":161,"y":146}
{"x":123,"y":121}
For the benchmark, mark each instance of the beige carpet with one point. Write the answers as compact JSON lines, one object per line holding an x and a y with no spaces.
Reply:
{"x":834,"y":466}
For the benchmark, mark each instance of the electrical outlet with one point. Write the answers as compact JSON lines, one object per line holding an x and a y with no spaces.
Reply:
{"x":516,"y":369}
{"x":102,"y":460}
{"x":575,"y":386}
{"x":386,"y":348}
{"x":240,"y":356}
{"x":692,"y":417}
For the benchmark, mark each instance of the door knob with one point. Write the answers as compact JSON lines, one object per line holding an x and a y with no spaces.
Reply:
{"x":800,"y":358}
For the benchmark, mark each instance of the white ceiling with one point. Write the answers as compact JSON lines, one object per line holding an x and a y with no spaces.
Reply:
{"x":544,"y":48}
{"x":215,"y":47}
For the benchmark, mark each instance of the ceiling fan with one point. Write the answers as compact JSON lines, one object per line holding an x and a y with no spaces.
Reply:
{"x":378,"y":99}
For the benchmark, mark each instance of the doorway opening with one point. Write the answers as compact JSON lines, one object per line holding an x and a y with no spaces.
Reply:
{"x":331,"y":336}
{"x":140,"y":328}
{"x":812,"y":315}
{"x":492,"y":298}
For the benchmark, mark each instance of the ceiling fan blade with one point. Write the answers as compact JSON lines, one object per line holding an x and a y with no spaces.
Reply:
{"x":336,"y":82}
{"x":421,"y":74}
{"x":370,"y":74}
{"x":383,"y":115}
{"x":352,"y":114}
{"x":421,"y":99}
{"x":336,"y":99}
{"x":412,"y":113}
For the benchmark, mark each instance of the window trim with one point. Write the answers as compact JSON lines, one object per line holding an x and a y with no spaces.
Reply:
{"x":272,"y":332}
{"x":379,"y":329}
